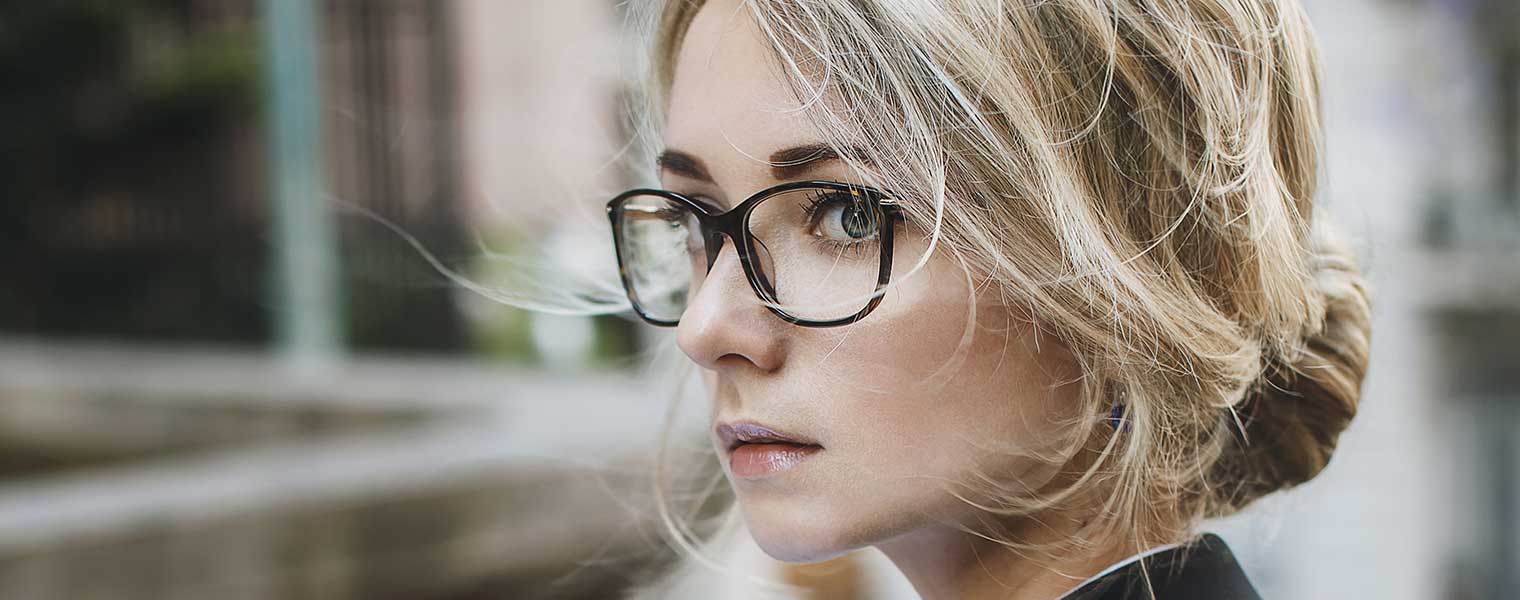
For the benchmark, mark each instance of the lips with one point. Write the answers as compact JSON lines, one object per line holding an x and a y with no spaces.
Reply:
{"x":758,"y":452}
{"x":739,"y":433}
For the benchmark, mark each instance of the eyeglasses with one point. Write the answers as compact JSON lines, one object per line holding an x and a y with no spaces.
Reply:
{"x":817,"y":253}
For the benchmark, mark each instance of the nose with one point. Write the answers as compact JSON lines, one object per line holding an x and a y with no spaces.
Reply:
{"x":724,"y":324}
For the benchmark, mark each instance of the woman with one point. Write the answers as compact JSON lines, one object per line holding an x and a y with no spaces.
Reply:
{"x":1017,"y":293}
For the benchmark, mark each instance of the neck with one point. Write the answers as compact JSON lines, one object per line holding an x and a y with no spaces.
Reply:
{"x":943,"y":561}
{"x":946,"y":560}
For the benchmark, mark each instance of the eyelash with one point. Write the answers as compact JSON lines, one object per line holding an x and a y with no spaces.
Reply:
{"x":811,"y":207}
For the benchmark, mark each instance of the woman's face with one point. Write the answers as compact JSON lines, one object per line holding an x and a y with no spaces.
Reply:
{"x":901,"y":415}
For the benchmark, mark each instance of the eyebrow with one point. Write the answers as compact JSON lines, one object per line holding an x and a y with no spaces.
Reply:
{"x":786,"y":163}
{"x":683,"y":164}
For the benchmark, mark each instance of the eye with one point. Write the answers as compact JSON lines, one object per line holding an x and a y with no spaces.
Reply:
{"x":841,"y":216}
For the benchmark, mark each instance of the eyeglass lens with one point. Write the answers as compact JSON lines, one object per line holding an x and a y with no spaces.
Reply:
{"x":818,"y":249}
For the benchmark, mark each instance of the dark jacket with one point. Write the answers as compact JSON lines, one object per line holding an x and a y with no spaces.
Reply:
{"x":1202,"y":569}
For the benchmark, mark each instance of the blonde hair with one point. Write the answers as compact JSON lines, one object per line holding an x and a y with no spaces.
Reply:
{"x":1139,"y":174}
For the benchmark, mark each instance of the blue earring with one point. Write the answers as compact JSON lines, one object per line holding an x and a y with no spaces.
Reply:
{"x":1116,"y":418}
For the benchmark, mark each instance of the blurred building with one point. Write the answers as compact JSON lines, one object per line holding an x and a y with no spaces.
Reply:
{"x":150,"y":444}
{"x":136,"y":169}
{"x":1468,"y":297}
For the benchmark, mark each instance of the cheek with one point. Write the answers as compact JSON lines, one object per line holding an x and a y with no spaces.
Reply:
{"x":991,"y":408}
{"x":920,"y":403}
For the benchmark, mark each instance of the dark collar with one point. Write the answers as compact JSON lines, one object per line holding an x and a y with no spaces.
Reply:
{"x":1203,"y":568}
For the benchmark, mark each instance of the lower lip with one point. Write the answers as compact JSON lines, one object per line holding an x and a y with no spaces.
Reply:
{"x":763,"y":460}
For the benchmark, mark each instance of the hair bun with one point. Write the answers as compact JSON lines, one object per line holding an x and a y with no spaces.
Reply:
{"x":1294,"y":416}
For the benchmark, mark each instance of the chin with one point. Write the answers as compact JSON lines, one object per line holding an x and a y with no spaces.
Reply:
{"x":794,"y":534}
{"x":792,"y":549}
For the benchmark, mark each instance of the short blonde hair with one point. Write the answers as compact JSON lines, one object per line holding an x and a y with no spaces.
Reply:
{"x":1139,"y":174}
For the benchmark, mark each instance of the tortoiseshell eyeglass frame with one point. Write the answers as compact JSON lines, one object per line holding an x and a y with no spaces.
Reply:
{"x":715,"y":225}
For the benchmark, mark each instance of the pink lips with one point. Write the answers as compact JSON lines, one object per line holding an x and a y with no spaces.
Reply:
{"x":752,"y":461}
{"x":757,"y":451}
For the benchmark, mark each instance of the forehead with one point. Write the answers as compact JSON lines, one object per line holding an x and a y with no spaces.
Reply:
{"x":729,"y":104}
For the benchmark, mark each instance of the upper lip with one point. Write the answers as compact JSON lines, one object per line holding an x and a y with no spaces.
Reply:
{"x":741,"y":432}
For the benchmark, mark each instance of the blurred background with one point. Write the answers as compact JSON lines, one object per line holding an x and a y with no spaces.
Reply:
{"x":225,"y":372}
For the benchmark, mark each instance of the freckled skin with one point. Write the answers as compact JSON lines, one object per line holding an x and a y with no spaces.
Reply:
{"x":899,"y":425}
